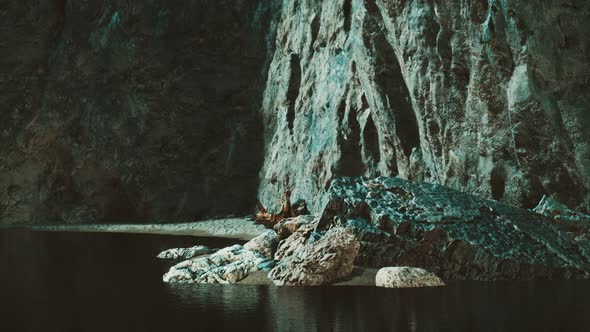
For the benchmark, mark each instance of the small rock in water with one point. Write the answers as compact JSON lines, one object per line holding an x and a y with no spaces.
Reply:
{"x":184,"y":253}
{"x":406,"y":277}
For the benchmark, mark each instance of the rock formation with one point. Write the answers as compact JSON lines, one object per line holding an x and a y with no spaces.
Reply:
{"x":489,"y":97}
{"x":148,"y":111}
{"x":226,"y":266}
{"x":450,"y":233}
{"x":318,"y":261}
{"x":264,"y":244}
{"x":392,"y":222}
{"x":406,"y":277}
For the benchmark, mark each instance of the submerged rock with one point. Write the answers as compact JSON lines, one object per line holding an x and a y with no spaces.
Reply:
{"x":319,"y":261}
{"x":185,"y":253}
{"x":406,"y":277}
{"x":226,"y":266}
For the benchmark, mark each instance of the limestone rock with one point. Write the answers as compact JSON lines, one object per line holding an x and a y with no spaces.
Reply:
{"x":406,"y":277}
{"x":226,"y":266}
{"x":184,"y":253}
{"x":264,"y":244}
{"x":319,"y":262}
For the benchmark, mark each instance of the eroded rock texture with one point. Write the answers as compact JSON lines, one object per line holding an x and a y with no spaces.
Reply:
{"x":490,"y":97}
{"x":450,"y":233}
{"x":131,"y":110}
{"x":406,"y":277}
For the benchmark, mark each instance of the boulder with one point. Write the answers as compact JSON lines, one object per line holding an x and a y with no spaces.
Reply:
{"x":264,"y":244}
{"x":319,"y":261}
{"x":184,"y":253}
{"x":406,"y":277}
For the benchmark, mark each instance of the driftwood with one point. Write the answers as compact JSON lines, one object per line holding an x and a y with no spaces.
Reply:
{"x":267,"y":219}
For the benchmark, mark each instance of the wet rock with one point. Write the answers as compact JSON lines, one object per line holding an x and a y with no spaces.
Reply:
{"x":264,"y":244}
{"x":184,"y":253}
{"x":226,"y":266}
{"x":319,"y":262}
{"x":406,"y":277}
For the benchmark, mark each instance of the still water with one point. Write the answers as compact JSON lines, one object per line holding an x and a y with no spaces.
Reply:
{"x":112,"y":282}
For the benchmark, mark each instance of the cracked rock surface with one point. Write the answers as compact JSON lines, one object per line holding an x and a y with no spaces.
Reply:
{"x":489,"y":97}
{"x":450,"y":233}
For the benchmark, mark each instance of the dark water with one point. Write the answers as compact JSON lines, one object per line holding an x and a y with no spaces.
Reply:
{"x":112,"y":282}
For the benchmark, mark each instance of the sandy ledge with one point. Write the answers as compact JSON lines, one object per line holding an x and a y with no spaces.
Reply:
{"x":235,"y":228}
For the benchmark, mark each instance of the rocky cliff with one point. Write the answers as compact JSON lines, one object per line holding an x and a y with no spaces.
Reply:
{"x":489,"y":97}
{"x":131,"y":110}
{"x":149,"y":111}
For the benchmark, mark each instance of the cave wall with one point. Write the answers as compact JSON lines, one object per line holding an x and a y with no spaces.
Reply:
{"x":131,"y":111}
{"x":489,"y":97}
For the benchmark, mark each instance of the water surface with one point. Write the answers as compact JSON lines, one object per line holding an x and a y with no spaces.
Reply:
{"x":112,"y":282}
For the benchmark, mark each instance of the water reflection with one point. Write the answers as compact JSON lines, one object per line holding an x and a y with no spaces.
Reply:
{"x":112,"y":282}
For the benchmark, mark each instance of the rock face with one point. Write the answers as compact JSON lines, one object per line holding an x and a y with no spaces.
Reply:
{"x":148,"y":111}
{"x":226,"y":266}
{"x":406,"y":277}
{"x":131,"y":111}
{"x":319,"y":261}
{"x":184,"y":253}
{"x":489,"y":97}
{"x":450,"y":233}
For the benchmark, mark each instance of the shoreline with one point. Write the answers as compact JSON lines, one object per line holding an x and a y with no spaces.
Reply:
{"x":231,"y":228}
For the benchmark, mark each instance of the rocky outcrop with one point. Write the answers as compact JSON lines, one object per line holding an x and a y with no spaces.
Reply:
{"x":450,"y":233}
{"x":184,"y":253}
{"x":489,"y":97}
{"x":226,"y":266}
{"x":391,"y":222}
{"x":406,"y":277}
{"x":317,"y":261}
{"x":131,"y":111}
